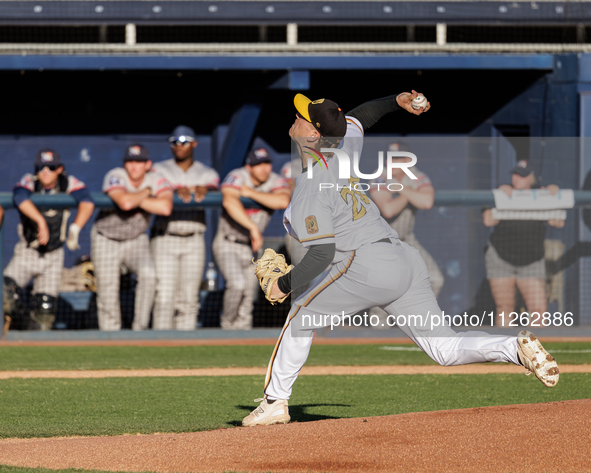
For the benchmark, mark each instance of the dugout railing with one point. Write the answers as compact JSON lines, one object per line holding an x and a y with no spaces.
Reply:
{"x":452,"y":231}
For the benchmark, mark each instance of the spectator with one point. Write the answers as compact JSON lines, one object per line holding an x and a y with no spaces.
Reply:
{"x":240,"y":232}
{"x":39,"y":254}
{"x":119,"y":236}
{"x":400,"y":207}
{"x":515,"y":253}
{"x":178,"y":244}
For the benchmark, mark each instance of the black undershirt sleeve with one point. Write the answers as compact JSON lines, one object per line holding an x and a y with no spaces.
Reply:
{"x":313,"y":263}
{"x":369,"y":113}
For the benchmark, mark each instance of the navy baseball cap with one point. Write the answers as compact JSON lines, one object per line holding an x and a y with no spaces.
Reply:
{"x":136,"y":153}
{"x":258,"y":156}
{"x":523,"y":168}
{"x":325,"y":115}
{"x":47,"y":157}
{"x":182,"y":133}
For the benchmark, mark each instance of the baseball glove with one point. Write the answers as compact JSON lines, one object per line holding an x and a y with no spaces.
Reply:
{"x":270,"y":267}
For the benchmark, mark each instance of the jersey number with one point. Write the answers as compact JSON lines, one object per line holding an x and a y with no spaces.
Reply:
{"x":358,"y":209}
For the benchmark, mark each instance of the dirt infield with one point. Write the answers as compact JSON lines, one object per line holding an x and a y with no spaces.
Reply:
{"x":306,"y":371}
{"x":549,"y":437}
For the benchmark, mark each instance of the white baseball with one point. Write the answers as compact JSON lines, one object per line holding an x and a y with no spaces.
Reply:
{"x":419,"y":103}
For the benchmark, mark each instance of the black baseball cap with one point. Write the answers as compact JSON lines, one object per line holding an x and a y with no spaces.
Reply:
{"x":325,"y":115}
{"x":136,"y":153}
{"x":47,"y":157}
{"x":258,"y":156}
{"x":523,"y":168}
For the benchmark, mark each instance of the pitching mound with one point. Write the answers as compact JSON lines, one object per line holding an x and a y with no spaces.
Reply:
{"x":520,"y":438}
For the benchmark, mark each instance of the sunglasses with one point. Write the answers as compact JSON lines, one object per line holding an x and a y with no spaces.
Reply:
{"x":51,"y":167}
{"x":179,"y":143}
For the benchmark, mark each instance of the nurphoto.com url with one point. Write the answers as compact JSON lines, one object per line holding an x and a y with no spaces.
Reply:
{"x":432,"y":321}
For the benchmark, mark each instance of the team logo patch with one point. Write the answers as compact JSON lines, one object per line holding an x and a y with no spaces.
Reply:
{"x":318,"y":101}
{"x":522,"y":164}
{"x":311,"y":224}
{"x":134,"y":150}
{"x":114,"y":181}
{"x":47,"y":157}
{"x":261,"y":153}
{"x":231,"y":180}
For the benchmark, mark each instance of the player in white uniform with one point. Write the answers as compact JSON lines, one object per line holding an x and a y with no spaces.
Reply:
{"x":399,"y":208}
{"x":295,"y":249}
{"x":240,"y":232}
{"x":119,"y":236}
{"x":370,"y":265}
{"x":178,"y":244}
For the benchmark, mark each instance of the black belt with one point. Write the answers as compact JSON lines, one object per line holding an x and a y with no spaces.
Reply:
{"x":180,"y":234}
{"x":234,"y":240}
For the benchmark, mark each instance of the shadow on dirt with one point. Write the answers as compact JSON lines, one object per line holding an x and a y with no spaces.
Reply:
{"x":298,"y":413}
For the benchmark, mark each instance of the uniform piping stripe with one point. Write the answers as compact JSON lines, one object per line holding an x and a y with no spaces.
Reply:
{"x":330,"y":235}
{"x":288,"y":321}
{"x":354,"y":123}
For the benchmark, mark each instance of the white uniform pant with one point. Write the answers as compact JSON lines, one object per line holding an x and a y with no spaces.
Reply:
{"x":179,"y":262}
{"x":108,"y":256}
{"x":435,"y":274}
{"x":234,"y":261}
{"x":389,"y":275}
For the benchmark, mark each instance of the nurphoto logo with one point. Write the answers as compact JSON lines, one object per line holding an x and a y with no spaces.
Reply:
{"x":345,"y":168}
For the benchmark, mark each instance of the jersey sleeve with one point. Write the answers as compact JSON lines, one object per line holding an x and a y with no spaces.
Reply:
{"x":353,"y":141}
{"x":354,"y":128}
{"x":78,"y":190}
{"x":160,"y":184}
{"x":280,"y":184}
{"x":312,"y":220}
{"x":26,"y":182}
{"x":286,"y":171}
{"x":211,"y":179}
{"x":23,"y":189}
{"x":233,"y":180}
{"x":113,"y":180}
{"x":423,"y":181}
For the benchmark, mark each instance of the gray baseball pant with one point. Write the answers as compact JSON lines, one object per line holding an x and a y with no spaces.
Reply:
{"x":46,"y":268}
{"x":108,"y":256}
{"x":179,"y":262}
{"x":234,"y":261}
{"x":392,"y":276}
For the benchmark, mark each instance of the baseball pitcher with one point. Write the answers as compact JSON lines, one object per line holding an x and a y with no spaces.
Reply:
{"x":361,"y":261}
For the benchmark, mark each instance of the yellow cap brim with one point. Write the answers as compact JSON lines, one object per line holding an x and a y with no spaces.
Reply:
{"x":301,"y":103}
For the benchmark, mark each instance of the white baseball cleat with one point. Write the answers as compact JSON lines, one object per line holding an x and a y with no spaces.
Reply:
{"x":536,"y":360}
{"x":268,"y":414}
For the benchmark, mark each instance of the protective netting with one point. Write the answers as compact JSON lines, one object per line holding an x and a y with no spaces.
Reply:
{"x":466,"y":255}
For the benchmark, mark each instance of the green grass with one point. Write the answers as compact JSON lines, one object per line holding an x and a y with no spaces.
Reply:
{"x":134,"y":357}
{"x":114,"y":406}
